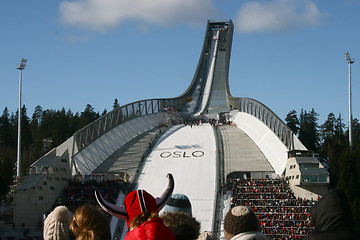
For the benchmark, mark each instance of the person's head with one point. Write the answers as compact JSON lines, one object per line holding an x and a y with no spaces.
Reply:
{"x":178,"y":203}
{"x":56,"y":224}
{"x":184,"y":226}
{"x":89,"y":223}
{"x":139,"y":206}
{"x":332,"y":211}
{"x":207,"y":236}
{"x":240,"y":219}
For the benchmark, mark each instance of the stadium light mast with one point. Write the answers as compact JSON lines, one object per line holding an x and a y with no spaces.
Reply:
{"x":21,"y":67}
{"x":349,"y":62}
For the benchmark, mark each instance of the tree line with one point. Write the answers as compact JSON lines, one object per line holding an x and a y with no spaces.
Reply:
{"x":331,"y":141}
{"x":49,"y":128}
{"x":45,"y":130}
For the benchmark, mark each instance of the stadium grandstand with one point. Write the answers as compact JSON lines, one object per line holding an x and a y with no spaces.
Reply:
{"x":222,"y":151}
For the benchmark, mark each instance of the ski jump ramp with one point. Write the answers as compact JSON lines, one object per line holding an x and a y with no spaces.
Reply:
{"x":191,"y":154}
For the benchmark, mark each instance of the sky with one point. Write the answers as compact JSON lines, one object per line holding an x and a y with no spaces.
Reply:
{"x":287,"y":54}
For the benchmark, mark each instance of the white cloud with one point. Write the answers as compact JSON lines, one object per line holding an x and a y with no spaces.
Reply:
{"x":277,"y":16}
{"x":101,"y":15}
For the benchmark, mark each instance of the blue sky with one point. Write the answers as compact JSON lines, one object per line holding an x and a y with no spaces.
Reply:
{"x":287,"y":54}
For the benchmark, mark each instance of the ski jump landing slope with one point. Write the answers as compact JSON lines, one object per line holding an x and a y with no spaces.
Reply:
{"x":189,"y":153}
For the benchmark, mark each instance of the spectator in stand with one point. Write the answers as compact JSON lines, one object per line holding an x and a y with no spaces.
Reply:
{"x":56,"y":224}
{"x":183,"y":225}
{"x":240,"y":223}
{"x":79,"y":193}
{"x":178,"y":203}
{"x":332,"y":218}
{"x":140,"y":210}
{"x":89,"y":223}
{"x":281,"y":214}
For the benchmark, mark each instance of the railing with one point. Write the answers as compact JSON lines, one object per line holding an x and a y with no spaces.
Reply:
{"x":104,"y":124}
{"x":127,"y":112}
{"x":268,"y":117}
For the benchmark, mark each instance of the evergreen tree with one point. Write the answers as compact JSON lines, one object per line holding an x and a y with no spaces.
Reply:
{"x":7,"y":150}
{"x":333,"y":142}
{"x":37,"y":116}
{"x":292,"y":121}
{"x":88,"y":116}
{"x":308,"y":132}
{"x":339,"y":126}
{"x":6,"y":130}
{"x":25,"y":128}
{"x":74,"y":121}
{"x":356,"y":132}
{"x":327,"y":130}
{"x":7,"y":167}
{"x":35,"y":123}
{"x":26,"y":141}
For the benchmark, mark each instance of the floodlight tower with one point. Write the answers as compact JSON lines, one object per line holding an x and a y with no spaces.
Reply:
{"x":349,"y":62}
{"x":21,"y":67}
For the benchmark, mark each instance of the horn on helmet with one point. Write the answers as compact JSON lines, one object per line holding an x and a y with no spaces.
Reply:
{"x":115,"y":210}
{"x":164,"y":197}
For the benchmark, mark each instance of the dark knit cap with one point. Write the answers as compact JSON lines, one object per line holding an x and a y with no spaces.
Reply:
{"x":240,"y":219}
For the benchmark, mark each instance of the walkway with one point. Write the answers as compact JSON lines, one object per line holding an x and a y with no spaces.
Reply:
{"x":241,"y":154}
{"x":128,"y":158}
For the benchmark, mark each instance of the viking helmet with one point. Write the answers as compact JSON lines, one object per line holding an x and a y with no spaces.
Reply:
{"x":137,"y":202}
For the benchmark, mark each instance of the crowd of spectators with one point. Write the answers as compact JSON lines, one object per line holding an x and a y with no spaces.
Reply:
{"x":78,"y":193}
{"x":212,"y":121}
{"x":216,"y":123}
{"x":281,"y":214}
{"x":193,"y":122}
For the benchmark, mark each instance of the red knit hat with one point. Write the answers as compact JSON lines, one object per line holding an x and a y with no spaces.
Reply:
{"x":138,"y":202}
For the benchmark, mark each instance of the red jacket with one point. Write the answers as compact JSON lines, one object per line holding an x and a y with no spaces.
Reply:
{"x":153,"y":229}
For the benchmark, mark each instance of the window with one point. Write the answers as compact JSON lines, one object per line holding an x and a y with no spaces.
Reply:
{"x":309,"y":165}
{"x":315,"y":178}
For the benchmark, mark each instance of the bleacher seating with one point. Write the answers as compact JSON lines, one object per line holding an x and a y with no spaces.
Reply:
{"x":281,"y":214}
{"x":78,"y":193}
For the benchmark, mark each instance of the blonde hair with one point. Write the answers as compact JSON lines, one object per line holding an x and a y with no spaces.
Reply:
{"x":141,"y":218}
{"x":89,"y":223}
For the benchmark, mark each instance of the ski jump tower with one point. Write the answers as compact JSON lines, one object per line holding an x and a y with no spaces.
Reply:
{"x":208,"y":96}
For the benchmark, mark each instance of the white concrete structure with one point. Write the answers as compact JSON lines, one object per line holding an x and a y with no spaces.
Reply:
{"x":93,"y":155}
{"x":307,"y":176}
{"x":271,"y":146}
{"x":189,"y":153}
